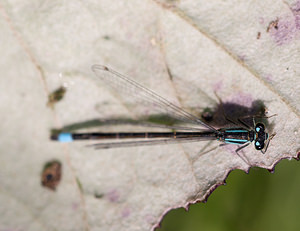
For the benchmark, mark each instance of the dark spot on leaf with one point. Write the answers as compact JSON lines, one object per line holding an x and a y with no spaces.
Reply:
{"x":273,"y":24}
{"x":207,"y":115}
{"x":51,"y":174}
{"x":49,"y":177}
{"x":106,"y":37}
{"x":98,"y":195}
{"x":258,"y":35}
{"x":56,"y":96}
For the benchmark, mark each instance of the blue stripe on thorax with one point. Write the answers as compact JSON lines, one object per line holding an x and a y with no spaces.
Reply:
{"x":228,"y":130}
{"x":235,"y":141}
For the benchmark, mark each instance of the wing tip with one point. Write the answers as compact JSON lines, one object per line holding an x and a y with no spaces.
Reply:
{"x":99,"y":67}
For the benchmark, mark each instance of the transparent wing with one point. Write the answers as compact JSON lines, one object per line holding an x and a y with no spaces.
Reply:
{"x":129,"y":88}
{"x":97,"y":123}
{"x":135,"y":143}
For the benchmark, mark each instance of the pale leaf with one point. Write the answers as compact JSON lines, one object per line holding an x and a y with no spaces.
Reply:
{"x":187,"y":51}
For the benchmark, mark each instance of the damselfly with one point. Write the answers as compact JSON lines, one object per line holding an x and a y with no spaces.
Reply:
{"x":241,"y":135}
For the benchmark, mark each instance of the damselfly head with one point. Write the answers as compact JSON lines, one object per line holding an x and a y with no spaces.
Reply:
{"x":260,"y":136}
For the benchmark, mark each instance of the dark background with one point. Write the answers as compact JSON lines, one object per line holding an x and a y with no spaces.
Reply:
{"x":257,"y":201}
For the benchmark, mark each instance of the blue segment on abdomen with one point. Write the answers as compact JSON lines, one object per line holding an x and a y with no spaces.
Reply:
{"x":65,"y":137}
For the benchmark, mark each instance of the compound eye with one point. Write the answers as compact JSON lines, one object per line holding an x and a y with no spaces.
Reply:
{"x":259,"y":145}
{"x":259,"y":127}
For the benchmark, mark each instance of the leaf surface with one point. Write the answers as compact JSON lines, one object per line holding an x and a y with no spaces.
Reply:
{"x":187,"y":51}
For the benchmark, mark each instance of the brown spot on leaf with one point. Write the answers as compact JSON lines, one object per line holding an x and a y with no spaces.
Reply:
{"x":258,"y":35}
{"x":56,"y":96}
{"x":51,"y":174}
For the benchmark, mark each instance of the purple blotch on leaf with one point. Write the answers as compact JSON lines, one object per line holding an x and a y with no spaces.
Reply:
{"x":287,"y":28}
{"x":125,"y":212}
{"x":113,"y":196}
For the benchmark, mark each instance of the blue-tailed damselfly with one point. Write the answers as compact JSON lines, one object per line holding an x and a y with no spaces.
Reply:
{"x":240,"y":135}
